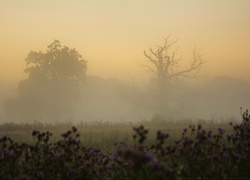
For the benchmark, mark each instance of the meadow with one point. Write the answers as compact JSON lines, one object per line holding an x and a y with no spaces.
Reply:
{"x":104,"y":150}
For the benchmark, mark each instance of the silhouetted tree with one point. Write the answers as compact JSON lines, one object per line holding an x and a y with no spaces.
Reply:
{"x":58,"y":63}
{"x":164,"y":62}
{"x":53,"y":85}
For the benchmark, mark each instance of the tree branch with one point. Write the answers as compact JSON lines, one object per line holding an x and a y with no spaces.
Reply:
{"x":151,"y":60}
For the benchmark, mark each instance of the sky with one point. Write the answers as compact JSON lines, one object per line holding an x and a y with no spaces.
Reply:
{"x":112,"y":35}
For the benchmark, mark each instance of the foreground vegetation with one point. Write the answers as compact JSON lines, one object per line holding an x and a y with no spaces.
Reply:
{"x":196,"y":153}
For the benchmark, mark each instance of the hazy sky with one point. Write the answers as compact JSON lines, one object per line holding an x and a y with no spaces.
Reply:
{"x":111,"y":35}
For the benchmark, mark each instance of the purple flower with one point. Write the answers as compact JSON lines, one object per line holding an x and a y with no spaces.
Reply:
{"x":225,"y":156}
{"x":221,"y":166}
{"x":210,"y":157}
{"x":109,"y":167}
{"x":91,"y":152}
{"x":97,"y":174}
{"x":57,"y":155}
{"x":67,"y":165}
{"x":115,"y":159}
{"x":229,"y":148}
{"x":216,"y":157}
{"x":72,"y":171}
{"x":40,"y":174}
{"x":88,"y":163}
{"x":221,"y":130}
{"x":12,"y":153}
{"x":209,"y":134}
{"x":237,"y":156}
{"x":150,"y":157}
{"x":166,"y":135}
{"x":238,"y":144}
{"x":159,"y":133}
{"x":64,"y":135}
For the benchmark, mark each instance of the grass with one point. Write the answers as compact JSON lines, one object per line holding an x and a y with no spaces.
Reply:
{"x":103,"y":135}
{"x":114,"y":151}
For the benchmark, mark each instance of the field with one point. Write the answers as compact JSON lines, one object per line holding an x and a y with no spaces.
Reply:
{"x":103,"y":135}
{"x":103,"y":150}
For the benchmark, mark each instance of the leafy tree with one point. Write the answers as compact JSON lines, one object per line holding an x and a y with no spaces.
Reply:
{"x":58,"y":63}
{"x":53,"y":86}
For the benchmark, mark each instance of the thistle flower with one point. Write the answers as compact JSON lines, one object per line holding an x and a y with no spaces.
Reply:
{"x":12,"y":153}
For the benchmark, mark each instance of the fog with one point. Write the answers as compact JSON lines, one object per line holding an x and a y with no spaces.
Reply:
{"x":111,"y":37}
{"x":112,"y":100}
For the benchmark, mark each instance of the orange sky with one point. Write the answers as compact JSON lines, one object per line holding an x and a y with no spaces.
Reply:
{"x":111,"y":35}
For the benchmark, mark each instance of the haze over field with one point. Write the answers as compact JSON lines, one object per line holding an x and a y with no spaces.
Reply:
{"x":112,"y":35}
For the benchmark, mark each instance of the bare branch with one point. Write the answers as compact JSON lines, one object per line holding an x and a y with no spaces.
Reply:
{"x":195,"y":65}
{"x":166,"y":62}
{"x":152,"y":70}
{"x":151,"y":60}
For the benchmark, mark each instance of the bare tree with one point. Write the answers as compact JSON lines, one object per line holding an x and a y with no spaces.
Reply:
{"x":164,"y":63}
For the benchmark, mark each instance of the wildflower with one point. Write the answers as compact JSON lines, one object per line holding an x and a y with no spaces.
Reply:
{"x":209,"y":134}
{"x":57,"y":155}
{"x":91,"y":152}
{"x":34,"y":133}
{"x":97,"y":174}
{"x":221,"y":166}
{"x":109,"y":167}
{"x":116,"y":159}
{"x":237,"y":156}
{"x":221,"y":130}
{"x":87,"y":163}
{"x":74,"y":129}
{"x":159,"y":133}
{"x":238,"y":144}
{"x":65,"y":135}
{"x":72,"y":171}
{"x":66,"y":165}
{"x":177,"y":142}
{"x":166,"y":135}
{"x":216,"y":157}
{"x":12,"y":153}
{"x":3,"y":139}
{"x":225,"y":156}
{"x":229,"y":148}
{"x":150,"y":157}
{"x":134,"y":136}
{"x":40,"y":174}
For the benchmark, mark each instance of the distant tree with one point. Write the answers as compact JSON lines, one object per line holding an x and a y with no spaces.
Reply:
{"x":164,"y":62}
{"x":58,"y":63}
{"x":53,"y":85}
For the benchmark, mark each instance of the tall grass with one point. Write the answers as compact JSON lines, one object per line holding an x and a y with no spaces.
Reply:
{"x":196,"y":153}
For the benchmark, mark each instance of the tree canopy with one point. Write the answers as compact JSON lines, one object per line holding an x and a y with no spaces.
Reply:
{"x":53,"y":87}
{"x":58,"y":63}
